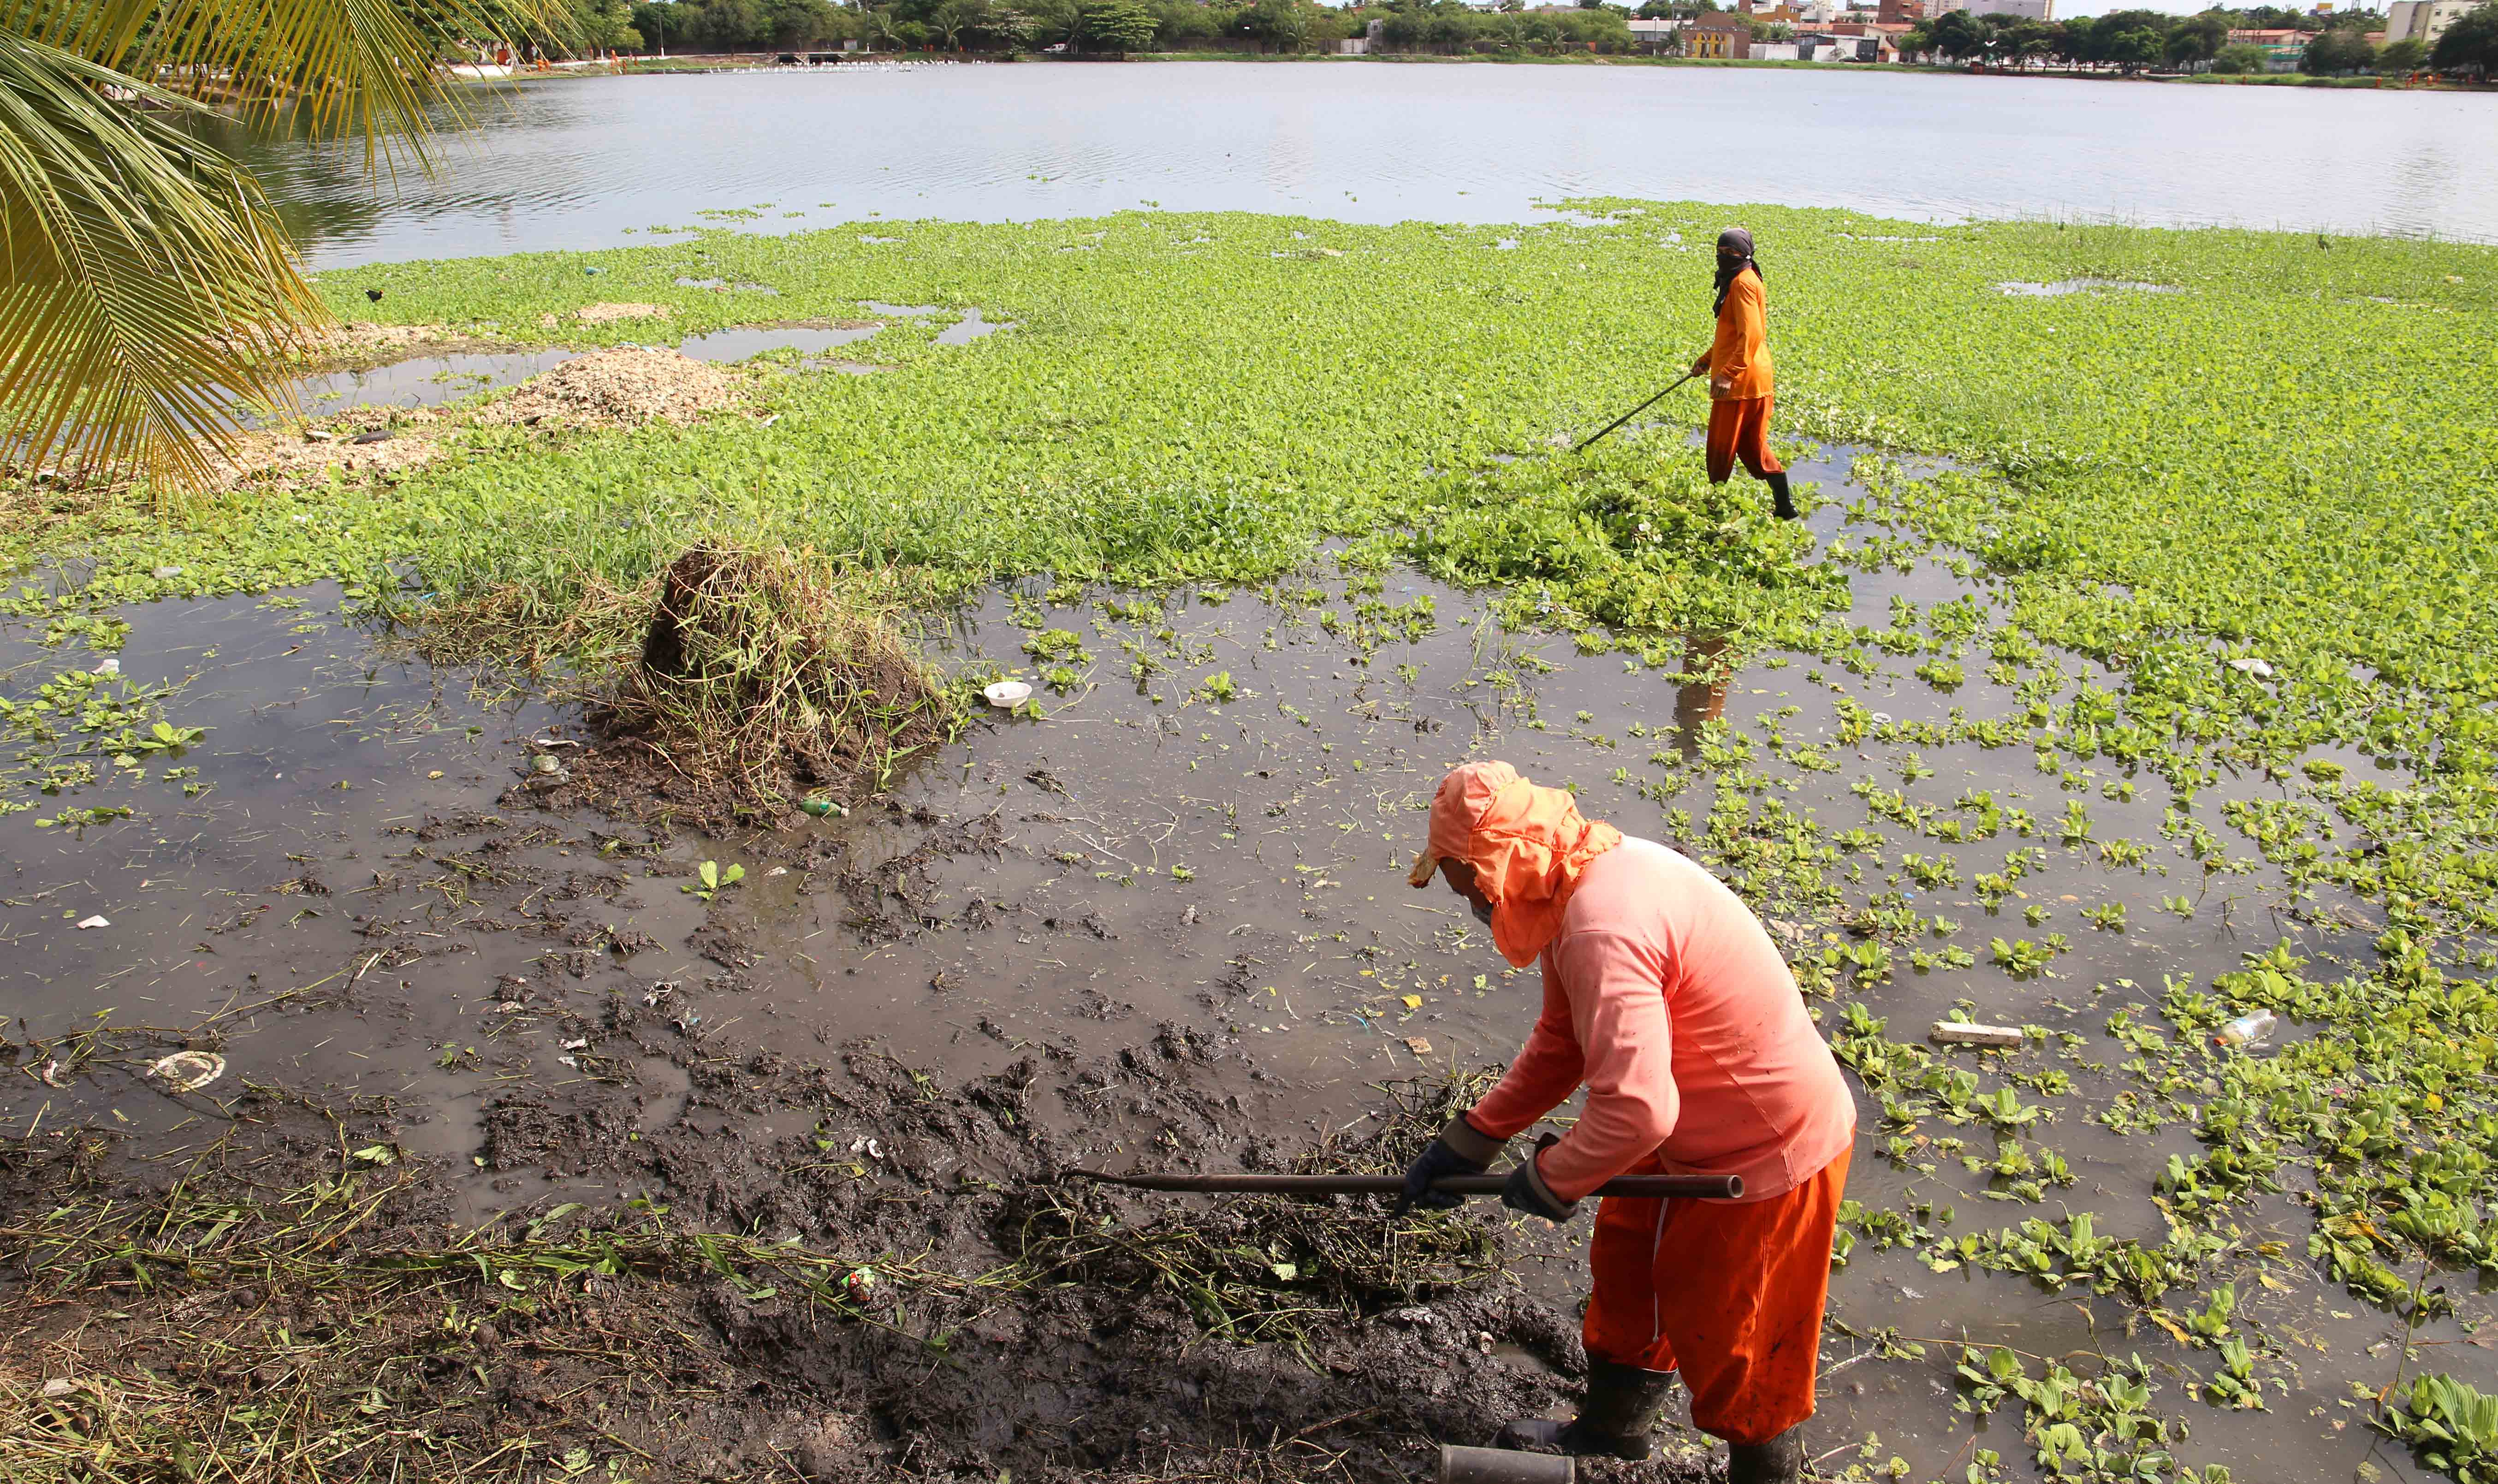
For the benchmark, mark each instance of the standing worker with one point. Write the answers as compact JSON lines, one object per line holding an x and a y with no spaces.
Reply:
{"x":1664,"y":996}
{"x":1737,"y":364}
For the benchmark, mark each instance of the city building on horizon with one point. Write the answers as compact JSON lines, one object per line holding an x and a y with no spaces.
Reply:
{"x":2423,"y":20}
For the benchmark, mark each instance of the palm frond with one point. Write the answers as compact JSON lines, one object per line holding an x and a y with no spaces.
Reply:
{"x":148,"y":283}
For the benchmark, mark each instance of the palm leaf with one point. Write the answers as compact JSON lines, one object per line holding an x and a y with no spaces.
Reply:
{"x":149,"y":287}
{"x":149,"y":284}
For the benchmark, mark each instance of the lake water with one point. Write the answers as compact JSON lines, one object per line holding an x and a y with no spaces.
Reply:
{"x":573,"y":163}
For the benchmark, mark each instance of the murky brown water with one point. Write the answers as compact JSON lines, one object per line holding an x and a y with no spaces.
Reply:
{"x":358,"y":864}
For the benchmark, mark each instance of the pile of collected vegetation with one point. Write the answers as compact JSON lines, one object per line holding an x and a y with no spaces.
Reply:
{"x":626,"y":387}
{"x":778,"y":669}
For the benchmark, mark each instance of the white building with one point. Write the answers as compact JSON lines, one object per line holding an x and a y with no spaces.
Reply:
{"x":2423,"y":20}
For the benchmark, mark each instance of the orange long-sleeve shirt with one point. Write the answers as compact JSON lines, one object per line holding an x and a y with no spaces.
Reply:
{"x":1664,"y":995}
{"x":1739,"y":359}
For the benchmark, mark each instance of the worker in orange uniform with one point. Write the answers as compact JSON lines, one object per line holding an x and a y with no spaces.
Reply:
{"x":1737,"y":364}
{"x":1666,"y":999}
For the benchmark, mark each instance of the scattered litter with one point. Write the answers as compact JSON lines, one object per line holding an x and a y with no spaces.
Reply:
{"x":163,"y":574}
{"x":858,"y":1283}
{"x":508,"y":1008}
{"x":319,"y":435}
{"x":2247,"y":1029}
{"x":1007,"y":694}
{"x":581,"y":1044}
{"x":546,"y":764}
{"x":59,"y":1387}
{"x":95,"y":921}
{"x":867,"y":1147}
{"x":1420,"y":1046}
{"x":820,"y":807}
{"x":107,"y":666}
{"x":50,"y":1073}
{"x":2248,"y":666}
{"x":1969,"y":1033}
{"x":778,"y":871}
{"x":553,"y":742}
{"x":1881,"y":718}
{"x":189,"y":1070}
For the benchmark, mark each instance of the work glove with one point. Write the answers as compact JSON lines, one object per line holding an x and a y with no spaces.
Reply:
{"x":1528,"y":1192}
{"x":1459,"y":1150}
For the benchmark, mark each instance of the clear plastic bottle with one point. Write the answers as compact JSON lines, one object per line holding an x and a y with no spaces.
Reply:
{"x":2247,"y":1029}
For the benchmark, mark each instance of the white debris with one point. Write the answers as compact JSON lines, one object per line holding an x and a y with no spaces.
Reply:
{"x":2249,"y":665}
{"x":189,"y":1070}
{"x":166,"y":573}
{"x":1007,"y":694}
{"x":107,"y":666}
{"x":95,"y":921}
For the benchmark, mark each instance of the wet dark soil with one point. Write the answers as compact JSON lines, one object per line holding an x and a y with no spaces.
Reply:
{"x":1161,"y":924}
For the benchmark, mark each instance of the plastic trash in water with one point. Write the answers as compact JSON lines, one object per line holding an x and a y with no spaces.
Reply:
{"x":2247,"y":1029}
{"x":820,"y":807}
{"x":189,"y":1070}
{"x":1007,"y":694}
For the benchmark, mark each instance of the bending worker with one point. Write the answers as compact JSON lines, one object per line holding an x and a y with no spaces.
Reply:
{"x":1737,"y":364}
{"x":1665,"y":998}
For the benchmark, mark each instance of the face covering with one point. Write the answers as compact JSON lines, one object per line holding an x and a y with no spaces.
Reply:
{"x":1731,"y":242}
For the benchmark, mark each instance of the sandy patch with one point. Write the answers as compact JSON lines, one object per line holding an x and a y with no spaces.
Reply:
{"x":289,"y":457}
{"x":603,"y":314}
{"x":619,"y":388}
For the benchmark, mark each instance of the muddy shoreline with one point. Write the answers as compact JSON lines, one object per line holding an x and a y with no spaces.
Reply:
{"x":1160,"y":923}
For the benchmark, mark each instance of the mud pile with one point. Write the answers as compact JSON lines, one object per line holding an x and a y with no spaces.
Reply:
{"x":619,"y":388}
{"x":381,"y":442}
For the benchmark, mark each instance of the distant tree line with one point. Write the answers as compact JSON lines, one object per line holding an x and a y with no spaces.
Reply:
{"x":2134,"y":41}
{"x":2123,"y":41}
{"x":1094,"y":25}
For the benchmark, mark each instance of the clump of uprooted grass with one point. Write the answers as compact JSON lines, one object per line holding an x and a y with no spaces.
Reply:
{"x":1273,"y":1268}
{"x":776,"y":671}
{"x":774,"y":666}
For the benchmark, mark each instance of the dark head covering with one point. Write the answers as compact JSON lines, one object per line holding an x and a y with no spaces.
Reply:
{"x":1737,"y":242}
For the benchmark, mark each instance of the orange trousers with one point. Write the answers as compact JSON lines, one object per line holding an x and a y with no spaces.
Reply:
{"x":1729,"y":1292}
{"x":1740,"y":428}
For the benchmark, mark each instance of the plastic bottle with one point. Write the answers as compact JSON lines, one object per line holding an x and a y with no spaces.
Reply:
{"x":2247,"y":1029}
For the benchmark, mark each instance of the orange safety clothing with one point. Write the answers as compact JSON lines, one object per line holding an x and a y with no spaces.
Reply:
{"x":1741,"y":430}
{"x":1739,"y":359}
{"x":1730,"y":1293}
{"x":1528,"y":847}
{"x":1664,"y":995}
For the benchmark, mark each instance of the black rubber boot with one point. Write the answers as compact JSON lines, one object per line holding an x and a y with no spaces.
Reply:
{"x":1779,"y":489}
{"x":1780,"y":1460}
{"x":1621,"y":1405}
